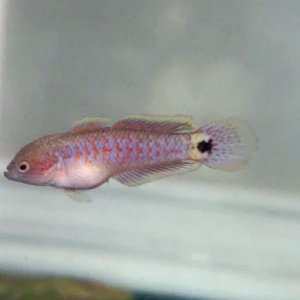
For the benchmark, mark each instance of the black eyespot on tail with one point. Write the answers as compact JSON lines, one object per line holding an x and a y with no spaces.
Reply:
{"x":205,"y":146}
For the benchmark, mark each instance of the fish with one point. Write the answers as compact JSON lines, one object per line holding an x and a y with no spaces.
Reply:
{"x":133,"y":151}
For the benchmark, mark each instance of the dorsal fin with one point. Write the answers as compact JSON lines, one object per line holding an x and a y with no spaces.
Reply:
{"x":138,"y":176}
{"x":90,"y":124}
{"x":159,"y":124}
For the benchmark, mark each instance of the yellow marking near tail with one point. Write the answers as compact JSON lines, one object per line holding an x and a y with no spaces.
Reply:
{"x":194,"y":153}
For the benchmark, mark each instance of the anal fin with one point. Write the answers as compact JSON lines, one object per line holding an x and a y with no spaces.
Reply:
{"x":138,"y":176}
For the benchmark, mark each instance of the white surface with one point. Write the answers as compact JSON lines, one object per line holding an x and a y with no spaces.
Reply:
{"x":206,"y":233}
{"x":190,"y":240}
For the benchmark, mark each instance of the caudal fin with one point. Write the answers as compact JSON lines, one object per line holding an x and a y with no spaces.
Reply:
{"x":233,"y":142}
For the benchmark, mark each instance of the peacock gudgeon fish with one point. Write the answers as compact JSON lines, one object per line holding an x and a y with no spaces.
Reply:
{"x":133,"y":151}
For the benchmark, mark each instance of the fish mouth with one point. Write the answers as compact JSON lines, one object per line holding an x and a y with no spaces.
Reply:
{"x":9,"y":176}
{"x":9,"y":172}
{"x":14,"y":177}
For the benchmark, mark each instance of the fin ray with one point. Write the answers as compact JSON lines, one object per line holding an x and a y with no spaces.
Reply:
{"x":234,"y":143}
{"x":90,"y":124}
{"x":139,"y":176}
{"x":161,"y":124}
{"x":78,"y":196}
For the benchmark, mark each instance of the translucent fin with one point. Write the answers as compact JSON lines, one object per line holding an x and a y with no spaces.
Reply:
{"x":90,"y":124}
{"x":161,"y":124}
{"x":233,"y":143}
{"x":78,"y":196}
{"x":139,"y":176}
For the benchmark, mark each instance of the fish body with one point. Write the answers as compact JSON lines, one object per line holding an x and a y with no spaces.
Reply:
{"x":133,"y":151}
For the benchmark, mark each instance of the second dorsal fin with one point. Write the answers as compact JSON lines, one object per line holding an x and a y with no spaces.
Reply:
{"x":160,"y":124}
{"x":90,"y":124}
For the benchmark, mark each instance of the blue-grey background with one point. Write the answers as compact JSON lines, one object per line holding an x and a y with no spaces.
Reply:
{"x":66,"y":59}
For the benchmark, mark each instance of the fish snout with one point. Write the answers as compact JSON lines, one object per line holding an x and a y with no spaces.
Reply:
{"x":10,"y":171}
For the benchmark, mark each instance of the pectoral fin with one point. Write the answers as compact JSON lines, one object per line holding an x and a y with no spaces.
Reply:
{"x":78,"y":196}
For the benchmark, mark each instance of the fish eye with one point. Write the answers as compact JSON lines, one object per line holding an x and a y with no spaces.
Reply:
{"x":24,"y":167}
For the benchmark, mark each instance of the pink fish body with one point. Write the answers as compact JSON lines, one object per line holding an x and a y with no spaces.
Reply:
{"x":133,"y":151}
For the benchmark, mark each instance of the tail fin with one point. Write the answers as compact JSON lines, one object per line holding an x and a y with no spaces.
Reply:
{"x":232,"y":144}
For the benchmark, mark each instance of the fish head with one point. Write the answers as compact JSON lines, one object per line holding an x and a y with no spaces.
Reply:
{"x":34,"y":164}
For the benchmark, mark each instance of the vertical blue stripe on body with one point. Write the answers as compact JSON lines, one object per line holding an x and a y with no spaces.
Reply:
{"x":72,"y":152}
{"x":161,"y":141}
{"x":143,"y":146}
{"x":91,"y":151}
{"x":113,"y":153}
{"x":132,"y":145}
{"x":99,"y":146}
{"x":123,"y":147}
{"x":81,"y":149}
{"x":153,"y":151}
